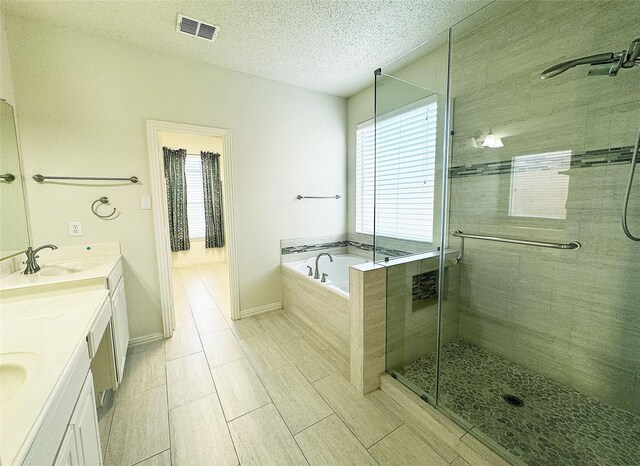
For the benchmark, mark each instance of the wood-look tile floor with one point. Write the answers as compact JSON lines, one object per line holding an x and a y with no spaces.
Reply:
{"x":260,"y":391}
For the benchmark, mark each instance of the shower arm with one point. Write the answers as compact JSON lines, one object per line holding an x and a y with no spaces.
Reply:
{"x":599,"y":59}
{"x":624,"y":59}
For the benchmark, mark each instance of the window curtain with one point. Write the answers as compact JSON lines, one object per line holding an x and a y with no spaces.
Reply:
{"x":214,"y":227}
{"x":176,"y":182}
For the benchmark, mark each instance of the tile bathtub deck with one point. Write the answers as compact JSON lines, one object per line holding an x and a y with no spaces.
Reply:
{"x":257,"y":391}
{"x":556,"y":425}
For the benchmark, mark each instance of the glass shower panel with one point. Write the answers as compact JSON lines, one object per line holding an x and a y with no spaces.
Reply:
{"x":406,"y":133}
{"x":545,"y":363}
{"x":409,"y":146}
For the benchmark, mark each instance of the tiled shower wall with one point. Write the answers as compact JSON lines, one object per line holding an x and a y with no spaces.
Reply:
{"x":412,"y":322}
{"x":571,"y":315}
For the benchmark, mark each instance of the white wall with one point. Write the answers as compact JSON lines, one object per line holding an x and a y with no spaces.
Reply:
{"x":83,"y":102}
{"x":194,"y":144}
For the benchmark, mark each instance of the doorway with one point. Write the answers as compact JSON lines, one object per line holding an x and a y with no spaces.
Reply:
{"x":197,"y":281}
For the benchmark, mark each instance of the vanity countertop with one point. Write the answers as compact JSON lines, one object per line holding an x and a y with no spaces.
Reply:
{"x":41,"y":338}
{"x":62,"y":267}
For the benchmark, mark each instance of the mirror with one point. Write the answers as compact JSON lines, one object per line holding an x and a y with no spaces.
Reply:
{"x":14,"y":230}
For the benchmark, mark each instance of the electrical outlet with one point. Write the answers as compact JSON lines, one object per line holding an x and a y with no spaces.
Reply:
{"x":75,"y":229}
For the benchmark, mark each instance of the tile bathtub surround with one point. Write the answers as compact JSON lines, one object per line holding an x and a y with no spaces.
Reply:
{"x":367,"y":309}
{"x":323,"y":311}
{"x":304,"y":248}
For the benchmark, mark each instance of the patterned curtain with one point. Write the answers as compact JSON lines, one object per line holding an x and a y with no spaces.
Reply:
{"x":214,"y":228}
{"x":176,"y":182}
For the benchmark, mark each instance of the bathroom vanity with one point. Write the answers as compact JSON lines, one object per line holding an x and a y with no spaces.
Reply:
{"x":64,"y":338}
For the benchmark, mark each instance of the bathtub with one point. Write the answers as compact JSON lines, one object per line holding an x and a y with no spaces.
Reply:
{"x":322,"y":307}
{"x":337,"y":271}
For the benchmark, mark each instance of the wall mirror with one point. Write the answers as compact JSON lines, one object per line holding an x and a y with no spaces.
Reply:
{"x":14,"y":229}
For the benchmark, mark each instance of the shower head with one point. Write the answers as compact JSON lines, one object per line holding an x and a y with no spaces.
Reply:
{"x":602,"y":63}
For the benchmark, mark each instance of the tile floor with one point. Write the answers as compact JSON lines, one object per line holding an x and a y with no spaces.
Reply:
{"x":556,"y":424}
{"x":258,"y":391}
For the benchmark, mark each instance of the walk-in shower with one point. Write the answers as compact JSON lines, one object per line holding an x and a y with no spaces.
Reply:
{"x":528,"y":341}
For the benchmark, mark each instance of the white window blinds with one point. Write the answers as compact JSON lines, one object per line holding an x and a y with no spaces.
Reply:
{"x":195,"y":197}
{"x":406,"y":155}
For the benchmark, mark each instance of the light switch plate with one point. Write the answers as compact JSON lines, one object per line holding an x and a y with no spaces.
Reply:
{"x":75,"y":229}
{"x":145,"y":202}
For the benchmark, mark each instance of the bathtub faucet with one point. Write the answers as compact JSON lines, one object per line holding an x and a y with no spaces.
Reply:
{"x":316,"y":275}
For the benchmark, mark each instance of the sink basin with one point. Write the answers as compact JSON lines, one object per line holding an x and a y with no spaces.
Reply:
{"x":69,"y":267}
{"x":16,"y":369}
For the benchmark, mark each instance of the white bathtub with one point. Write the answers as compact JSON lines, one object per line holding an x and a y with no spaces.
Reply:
{"x":337,"y":271}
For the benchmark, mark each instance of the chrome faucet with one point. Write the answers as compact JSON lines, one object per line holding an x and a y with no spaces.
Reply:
{"x":32,"y":264}
{"x":316,"y":275}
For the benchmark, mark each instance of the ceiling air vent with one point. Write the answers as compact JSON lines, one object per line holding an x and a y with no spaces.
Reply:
{"x":196,"y":28}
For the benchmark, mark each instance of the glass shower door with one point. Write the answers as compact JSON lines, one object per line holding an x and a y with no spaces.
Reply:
{"x":545,"y":360}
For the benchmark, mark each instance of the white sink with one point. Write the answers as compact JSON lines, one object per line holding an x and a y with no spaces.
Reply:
{"x":16,"y":369}
{"x":69,"y":267}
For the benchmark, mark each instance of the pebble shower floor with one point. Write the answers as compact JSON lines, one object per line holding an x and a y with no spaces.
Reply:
{"x":556,"y":425}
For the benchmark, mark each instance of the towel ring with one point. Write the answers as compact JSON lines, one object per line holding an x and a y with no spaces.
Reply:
{"x":102,"y":200}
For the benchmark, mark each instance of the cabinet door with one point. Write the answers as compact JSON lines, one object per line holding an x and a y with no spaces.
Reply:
{"x":68,"y":452}
{"x":85,"y":425}
{"x":120,"y":327}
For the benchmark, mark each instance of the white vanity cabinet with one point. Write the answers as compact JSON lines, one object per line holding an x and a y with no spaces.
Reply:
{"x":69,"y":434}
{"x":120,"y":323}
{"x":81,"y":442}
{"x":68,"y":453}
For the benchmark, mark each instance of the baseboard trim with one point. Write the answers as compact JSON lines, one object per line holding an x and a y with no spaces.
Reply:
{"x":145,"y":339}
{"x":260,"y":309}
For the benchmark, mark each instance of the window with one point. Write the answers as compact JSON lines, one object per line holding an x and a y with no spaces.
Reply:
{"x":195,"y":196}
{"x":406,"y":158}
{"x":539,"y":188}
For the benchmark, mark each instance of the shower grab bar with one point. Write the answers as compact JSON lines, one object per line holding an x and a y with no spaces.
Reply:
{"x":300,"y":197}
{"x":41,"y":178}
{"x":500,"y":239}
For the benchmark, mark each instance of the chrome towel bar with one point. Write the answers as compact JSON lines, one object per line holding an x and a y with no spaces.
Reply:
{"x":300,"y":196}
{"x":41,"y":178}
{"x":542,"y":244}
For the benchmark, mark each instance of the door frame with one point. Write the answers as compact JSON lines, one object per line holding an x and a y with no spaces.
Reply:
{"x":160,"y":214}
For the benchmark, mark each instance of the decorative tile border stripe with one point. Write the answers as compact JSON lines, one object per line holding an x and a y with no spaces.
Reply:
{"x":313,"y":247}
{"x":383,"y":251}
{"x":340,"y":244}
{"x":590,"y":158}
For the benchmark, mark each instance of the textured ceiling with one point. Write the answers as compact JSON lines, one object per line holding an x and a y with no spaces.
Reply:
{"x":329,"y":46}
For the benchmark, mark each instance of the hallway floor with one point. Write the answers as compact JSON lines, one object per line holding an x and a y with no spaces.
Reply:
{"x":261,"y":391}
